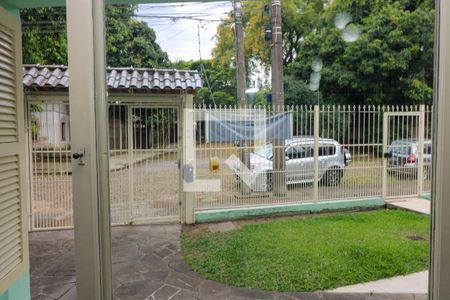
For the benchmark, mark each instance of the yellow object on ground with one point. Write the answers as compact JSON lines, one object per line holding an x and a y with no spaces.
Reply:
{"x":214,"y":164}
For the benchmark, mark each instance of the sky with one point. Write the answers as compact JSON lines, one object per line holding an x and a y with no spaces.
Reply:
{"x":179,"y":37}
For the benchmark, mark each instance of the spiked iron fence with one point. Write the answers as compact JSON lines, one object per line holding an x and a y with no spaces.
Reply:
{"x":145,"y":152}
{"x":359,"y":130}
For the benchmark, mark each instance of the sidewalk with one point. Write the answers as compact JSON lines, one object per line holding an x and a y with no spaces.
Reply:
{"x":418,"y":205}
{"x":416,"y":283}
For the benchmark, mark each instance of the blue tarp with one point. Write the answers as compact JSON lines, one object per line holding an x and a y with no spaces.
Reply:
{"x":236,"y":127}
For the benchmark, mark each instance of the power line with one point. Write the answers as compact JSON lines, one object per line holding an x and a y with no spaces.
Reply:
{"x":173,"y":36}
{"x":28,"y":24}
{"x":171,"y":17}
{"x":202,"y":67}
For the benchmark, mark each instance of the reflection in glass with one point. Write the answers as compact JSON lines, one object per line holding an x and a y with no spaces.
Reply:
{"x":313,"y":86}
{"x":317,"y":64}
{"x":315,"y":77}
{"x":351,"y":33}
{"x":341,"y":20}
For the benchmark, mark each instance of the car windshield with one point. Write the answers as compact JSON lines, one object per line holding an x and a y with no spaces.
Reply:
{"x":400,"y":149}
{"x":265,"y":151}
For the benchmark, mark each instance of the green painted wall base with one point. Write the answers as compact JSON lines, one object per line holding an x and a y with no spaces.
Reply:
{"x":426,"y":196}
{"x":249,"y":212}
{"x":20,"y":290}
{"x":13,"y":10}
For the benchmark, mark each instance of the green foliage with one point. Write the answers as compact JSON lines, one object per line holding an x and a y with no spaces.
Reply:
{"x":261,"y":97}
{"x":34,"y":107}
{"x":223,"y":98}
{"x":129,"y":42}
{"x":223,"y":86}
{"x":296,"y":92}
{"x":312,"y":253}
{"x":34,"y":128}
{"x":160,"y":121}
{"x":256,"y":50}
{"x":44,"y":39}
{"x":299,"y":18}
{"x":390,"y":63}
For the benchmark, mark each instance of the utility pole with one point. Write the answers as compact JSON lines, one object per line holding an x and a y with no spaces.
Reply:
{"x":279,"y":162}
{"x":241,"y":78}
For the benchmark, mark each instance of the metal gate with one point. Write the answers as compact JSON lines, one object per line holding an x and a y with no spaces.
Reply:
{"x":144,"y":154}
{"x":403,"y":144}
{"x":50,"y":162}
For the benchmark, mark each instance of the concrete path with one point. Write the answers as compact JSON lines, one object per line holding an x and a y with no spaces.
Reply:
{"x":414,"y":283}
{"x":412,"y":204}
{"x":147,"y":264}
{"x":119,"y":162}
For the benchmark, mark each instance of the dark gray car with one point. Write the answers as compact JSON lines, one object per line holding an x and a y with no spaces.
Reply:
{"x":403,"y":157}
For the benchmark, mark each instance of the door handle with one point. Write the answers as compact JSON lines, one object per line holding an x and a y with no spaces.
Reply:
{"x":79,"y":156}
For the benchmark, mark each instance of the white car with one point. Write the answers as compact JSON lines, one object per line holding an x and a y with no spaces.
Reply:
{"x":299,"y":156}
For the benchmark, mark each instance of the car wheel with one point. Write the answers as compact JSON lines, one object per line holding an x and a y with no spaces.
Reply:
{"x":238,"y":181}
{"x":426,"y":173}
{"x":269,"y":182}
{"x":333,"y":177}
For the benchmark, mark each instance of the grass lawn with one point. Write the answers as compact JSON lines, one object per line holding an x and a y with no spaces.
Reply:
{"x":312,"y":253}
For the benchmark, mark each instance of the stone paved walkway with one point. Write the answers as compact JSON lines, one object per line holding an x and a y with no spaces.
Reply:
{"x":147,"y":264}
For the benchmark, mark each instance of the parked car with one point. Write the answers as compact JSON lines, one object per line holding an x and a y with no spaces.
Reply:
{"x":299,"y":157}
{"x":403,"y":157}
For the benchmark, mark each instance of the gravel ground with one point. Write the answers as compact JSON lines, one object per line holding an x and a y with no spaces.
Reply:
{"x":156,"y":191}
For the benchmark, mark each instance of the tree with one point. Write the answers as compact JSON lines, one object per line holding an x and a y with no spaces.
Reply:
{"x":223,"y":85}
{"x":44,"y":36}
{"x":299,"y":19}
{"x":129,"y":42}
{"x":296,"y":92}
{"x":390,"y":63}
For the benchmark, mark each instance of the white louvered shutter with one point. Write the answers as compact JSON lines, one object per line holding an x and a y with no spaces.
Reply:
{"x":13,"y":145}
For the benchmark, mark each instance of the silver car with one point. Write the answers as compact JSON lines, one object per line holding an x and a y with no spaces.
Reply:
{"x":299,"y":156}
{"x":403,"y":157}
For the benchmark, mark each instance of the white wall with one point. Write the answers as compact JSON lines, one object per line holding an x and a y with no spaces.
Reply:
{"x":50,"y":125}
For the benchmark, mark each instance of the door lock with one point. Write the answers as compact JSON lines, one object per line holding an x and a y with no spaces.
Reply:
{"x":79,"y":156}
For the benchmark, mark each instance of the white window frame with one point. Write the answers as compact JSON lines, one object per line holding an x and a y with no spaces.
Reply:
{"x":439,"y":287}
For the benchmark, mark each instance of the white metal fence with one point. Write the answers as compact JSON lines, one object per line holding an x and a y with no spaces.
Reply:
{"x":50,"y":157}
{"x":358,"y":129}
{"x":145,"y":181}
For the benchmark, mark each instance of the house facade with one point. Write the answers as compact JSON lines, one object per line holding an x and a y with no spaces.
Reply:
{"x":49,"y":114}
